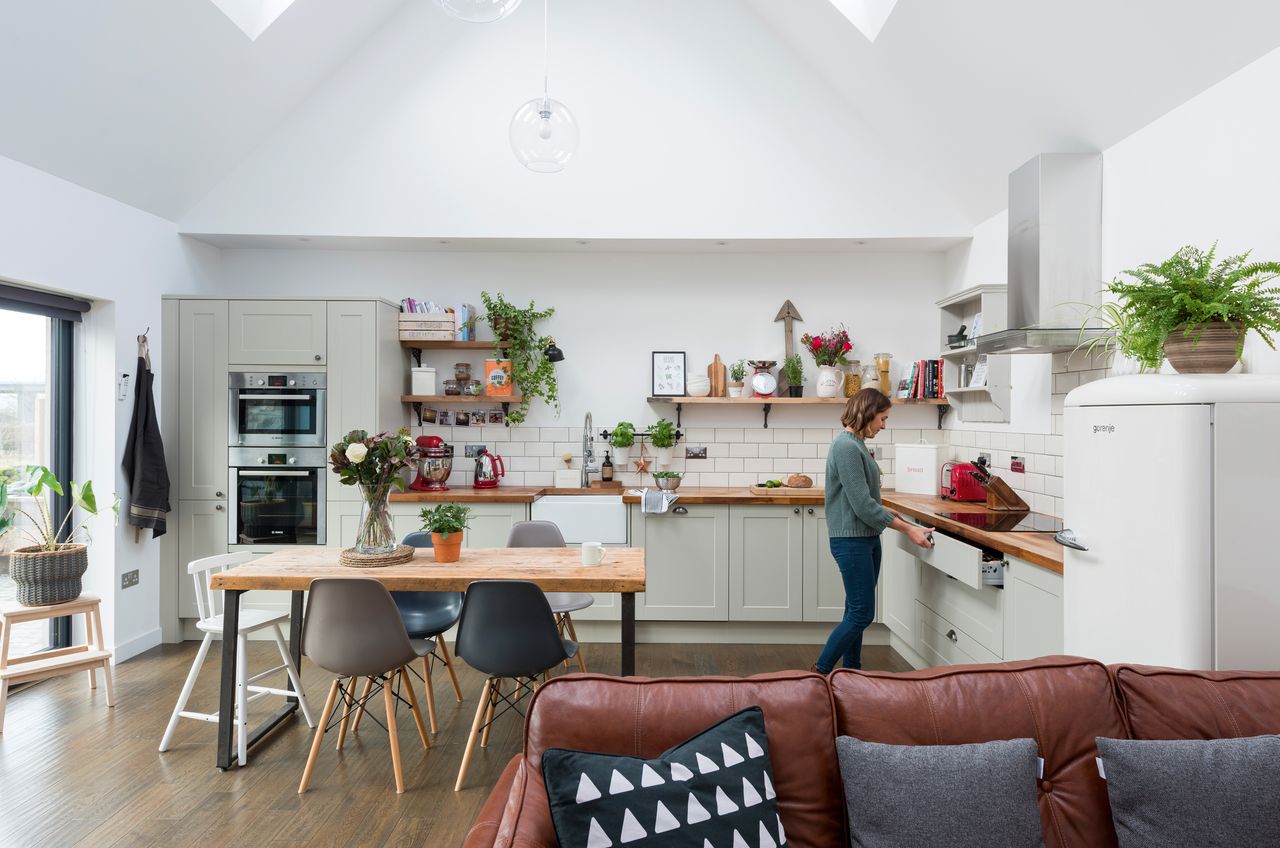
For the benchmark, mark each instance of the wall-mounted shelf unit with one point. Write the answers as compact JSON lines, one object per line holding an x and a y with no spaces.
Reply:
{"x":767,"y":403}
{"x":419,"y":401}
{"x":417,"y":346}
{"x":989,"y":402}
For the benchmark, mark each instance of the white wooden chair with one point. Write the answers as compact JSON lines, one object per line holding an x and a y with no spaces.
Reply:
{"x":209,"y":605}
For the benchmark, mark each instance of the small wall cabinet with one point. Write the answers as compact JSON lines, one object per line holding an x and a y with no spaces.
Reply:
{"x":278,"y":332}
{"x":988,"y":401}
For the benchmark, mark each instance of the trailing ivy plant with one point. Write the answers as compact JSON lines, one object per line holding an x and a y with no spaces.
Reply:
{"x":1183,"y":294}
{"x":533,"y":374}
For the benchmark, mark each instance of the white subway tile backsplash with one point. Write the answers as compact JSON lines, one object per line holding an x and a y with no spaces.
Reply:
{"x":773,"y":450}
{"x":933,"y":437}
{"x":575,"y":448}
{"x":905,"y":434}
{"x":1034,"y":443}
{"x":550,"y":463}
{"x":819,"y":435}
{"x":555,"y":434}
{"x":757,"y":465}
{"x":713,"y":478}
{"x":760,"y":436}
{"x":511,"y":448}
{"x":729,"y":464}
{"x":888,"y":481}
{"x":1042,"y":463}
{"x":1034,"y":482}
{"x":802,"y":451}
{"x":744,"y":449}
{"x":982,"y":440}
{"x":741,"y":479}
{"x":540,"y":449}
{"x":788,"y":434}
{"x":525,"y":463}
{"x":716,"y":449}
{"x":525,"y":434}
{"x":728,"y":435}
{"x":1053,"y":486}
{"x":1055,"y":445}
{"x":538,"y":478}
{"x":1063,"y":383}
{"x":1014,"y":442}
{"x":808,"y":466}
{"x":698,"y":435}
{"x":1058,"y":466}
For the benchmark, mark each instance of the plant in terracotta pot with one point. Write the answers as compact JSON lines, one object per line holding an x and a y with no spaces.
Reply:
{"x":48,"y":570}
{"x":621,"y":439}
{"x":793,"y":368}
{"x":737,"y":373}
{"x":1188,"y":309}
{"x":663,"y":436}
{"x":532,"y":372}
{"x":446,"y":522}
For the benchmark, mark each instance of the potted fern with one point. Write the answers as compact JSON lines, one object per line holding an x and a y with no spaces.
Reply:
{"x":621,"y":439}
{"x":48,"y":570}
{"x":663,"y":437}
{"x":532,"y":372}
{"x":737,"y":373}
{"x":446,"y":522}
{"x":1189,"y":310}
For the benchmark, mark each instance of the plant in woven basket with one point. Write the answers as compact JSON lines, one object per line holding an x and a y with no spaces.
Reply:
{"x":48,"y":570}
{"x":374,"y":464}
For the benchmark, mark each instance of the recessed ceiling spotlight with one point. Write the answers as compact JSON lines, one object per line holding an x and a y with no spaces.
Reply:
{"x":444,"y":241}
{"x":303,"y":238}
{"x":722,"y":243}
{"x":861,"y":242}
{"x":580,"y":241}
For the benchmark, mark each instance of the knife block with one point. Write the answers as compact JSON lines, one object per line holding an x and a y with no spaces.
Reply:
{"x":1003,"y":499}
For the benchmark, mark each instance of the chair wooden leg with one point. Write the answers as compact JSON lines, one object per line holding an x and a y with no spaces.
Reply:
{"x":186,"y":691}
{"x":315,"y":742}
{"x":494,"y":692}
{"x":88,"y":635}
{"x":573,"y":634}
{"x":431,"y":695}
{"x":407,"y":680}
{"x":106,"y":664}
{"x":361,"y":701}
{"x":481,"y":709}
{"x":347,"y":708}
{"x":389,"y":699}
{"x":443,"y":647}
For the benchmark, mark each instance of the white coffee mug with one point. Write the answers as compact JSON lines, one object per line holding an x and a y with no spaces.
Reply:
{"x":592,"y":553}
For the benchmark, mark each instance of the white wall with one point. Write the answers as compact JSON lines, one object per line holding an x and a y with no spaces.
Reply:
{"x":59,"y":237}
{"x":409,"y":138}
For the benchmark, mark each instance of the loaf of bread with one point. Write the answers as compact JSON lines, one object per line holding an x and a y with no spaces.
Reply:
{"x":799,"y":481}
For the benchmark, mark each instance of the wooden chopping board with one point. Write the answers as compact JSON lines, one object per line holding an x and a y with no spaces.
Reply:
{"x":715,"y":372}
{"x":786,"y":490}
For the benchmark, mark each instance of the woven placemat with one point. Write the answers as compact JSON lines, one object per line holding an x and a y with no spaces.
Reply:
{"x":351,"y":559}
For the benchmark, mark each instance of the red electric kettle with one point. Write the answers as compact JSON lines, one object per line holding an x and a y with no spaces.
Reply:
{"x":489,"y":469}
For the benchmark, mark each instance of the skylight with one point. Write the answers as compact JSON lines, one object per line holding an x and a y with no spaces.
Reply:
{"x":253,"y":16}
{"x":868,"y":16}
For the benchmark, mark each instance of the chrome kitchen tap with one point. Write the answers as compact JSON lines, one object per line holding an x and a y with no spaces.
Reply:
{"x":588,"y":455}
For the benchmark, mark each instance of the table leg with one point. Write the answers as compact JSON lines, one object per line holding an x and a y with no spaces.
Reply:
{"x":628,"y":634}
{"x":295,"y":635}
{"x":227,"y":688}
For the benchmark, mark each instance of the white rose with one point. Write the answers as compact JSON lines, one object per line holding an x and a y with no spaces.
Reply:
{"x":356,"y":451}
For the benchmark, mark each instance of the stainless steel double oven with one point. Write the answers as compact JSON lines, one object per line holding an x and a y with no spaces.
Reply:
{"x":277,"y":459}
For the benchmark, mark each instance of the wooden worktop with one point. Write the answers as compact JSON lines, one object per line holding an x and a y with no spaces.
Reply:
{"x":466,"y":494}
{"x":736,"y":495}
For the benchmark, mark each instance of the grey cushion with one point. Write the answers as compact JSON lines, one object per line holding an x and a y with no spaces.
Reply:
{"x":1193,"y":792}
{"x":944,"y":795}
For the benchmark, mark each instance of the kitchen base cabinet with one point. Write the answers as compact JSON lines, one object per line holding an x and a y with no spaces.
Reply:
{"x":686,"y":563}
{"x":1033,"y":611}
{"x":823,"y":583}
{"x":490,"y":522}
{"x":977,"y":612}
{"x":900,"y":586}
{"x":202,"y":532}
{"x":766,"y":556}
{"x":940,"y":642}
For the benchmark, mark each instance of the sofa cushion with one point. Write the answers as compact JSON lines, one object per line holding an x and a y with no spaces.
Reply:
{"x":642,"y":718}
{"x":1062,"y":703}
{"x":950,"y":796}
{"x":1170,"y":703}
{"x":1193,"y":792}
{"x":716,"y":787}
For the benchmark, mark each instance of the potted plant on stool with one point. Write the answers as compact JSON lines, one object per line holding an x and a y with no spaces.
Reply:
{"x":663,"y":436}
{"x":48,"y":571}
{"x":446,"y":522}
{"x":793,"y":368}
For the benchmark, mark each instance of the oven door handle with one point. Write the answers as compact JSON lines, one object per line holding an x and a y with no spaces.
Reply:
{"x":299,"y":396}
{"x":253,"y":472}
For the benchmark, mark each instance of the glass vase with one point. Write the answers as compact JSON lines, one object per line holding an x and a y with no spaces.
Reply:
{"x":375,"y":535}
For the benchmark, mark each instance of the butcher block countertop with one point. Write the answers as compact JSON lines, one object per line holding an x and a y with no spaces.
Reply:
{"x":466,"y":494}
{"x":736,"y":495}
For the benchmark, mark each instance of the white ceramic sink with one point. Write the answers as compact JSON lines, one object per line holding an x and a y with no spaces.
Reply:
{"x":584,"y":518}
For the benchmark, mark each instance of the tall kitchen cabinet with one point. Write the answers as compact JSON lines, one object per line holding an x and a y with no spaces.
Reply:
{"x":278,"y":332}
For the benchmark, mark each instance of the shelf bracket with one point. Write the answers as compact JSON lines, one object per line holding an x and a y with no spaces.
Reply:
{"x":417,"y":362}
{"x":767,"y":407}
{"x":679,"y":407}
{"x":942,"y":413}
{"x":417,"y":410}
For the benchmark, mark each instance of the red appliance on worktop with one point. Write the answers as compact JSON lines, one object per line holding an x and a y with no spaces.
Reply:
{"x":489,"y":469}
{"x":959,"y":482}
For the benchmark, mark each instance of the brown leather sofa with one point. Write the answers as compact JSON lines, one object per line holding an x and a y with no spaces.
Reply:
{"x":1061,"y":702}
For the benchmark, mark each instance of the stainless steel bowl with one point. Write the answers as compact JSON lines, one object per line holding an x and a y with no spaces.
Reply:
{"x":667,"y":484}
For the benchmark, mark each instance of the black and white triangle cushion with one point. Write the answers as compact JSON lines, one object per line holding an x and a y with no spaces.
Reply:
{"x":712,"y":791}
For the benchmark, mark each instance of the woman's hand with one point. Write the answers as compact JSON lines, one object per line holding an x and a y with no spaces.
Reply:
{"x":921,"y":536}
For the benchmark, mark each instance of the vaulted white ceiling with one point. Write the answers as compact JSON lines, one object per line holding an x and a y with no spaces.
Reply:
{"x":157,"y":103}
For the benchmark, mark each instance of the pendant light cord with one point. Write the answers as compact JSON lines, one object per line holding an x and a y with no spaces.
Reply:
{"x":545,"y":52}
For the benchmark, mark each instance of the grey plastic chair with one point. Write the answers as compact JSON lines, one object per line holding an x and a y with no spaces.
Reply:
{"x":507,"y":633}
{"x":545,"y":534}
{"x":352,"y":629}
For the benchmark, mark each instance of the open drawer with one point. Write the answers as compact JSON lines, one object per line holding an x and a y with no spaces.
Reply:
{"x":953,"y":557}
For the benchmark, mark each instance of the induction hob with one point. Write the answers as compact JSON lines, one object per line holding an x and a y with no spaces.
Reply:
{"x":1006,"y":522}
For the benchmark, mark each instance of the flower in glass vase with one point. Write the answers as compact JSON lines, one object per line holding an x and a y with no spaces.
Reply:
{"x":828,"y":348}
{"x":374,"y":464}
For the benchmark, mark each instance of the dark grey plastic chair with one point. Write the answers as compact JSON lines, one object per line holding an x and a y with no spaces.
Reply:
{"x":545,"y":534}
{"x":507,"y":633}
{"x":352,"y":630}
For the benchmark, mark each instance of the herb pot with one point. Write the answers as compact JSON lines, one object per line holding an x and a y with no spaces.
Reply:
{"x":735,"y":389}
{"x":664,"y":456}
{"x":447,"y":546}
{"x":1214,"y":352}
{"x":43,"y":577}
{"x":621,"y":456}
{"x":795,"y":391}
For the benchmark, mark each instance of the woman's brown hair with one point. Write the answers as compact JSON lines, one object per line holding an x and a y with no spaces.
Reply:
{"x":862,"y":409}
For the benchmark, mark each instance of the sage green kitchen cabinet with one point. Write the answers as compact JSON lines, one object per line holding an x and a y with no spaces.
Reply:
{"x":490,"y":522}
{"x":900,"y":585}
{"x":202,"y":532}
{"x":1033,"y":611}
{"x":278,"y":332}
{"x":686,"y":563}
{"x":823,"y":583}
{"x":201,"y":428}
{"x":766,"y":563}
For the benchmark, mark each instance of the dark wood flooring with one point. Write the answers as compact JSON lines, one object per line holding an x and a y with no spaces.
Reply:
{"x":74,"y":773}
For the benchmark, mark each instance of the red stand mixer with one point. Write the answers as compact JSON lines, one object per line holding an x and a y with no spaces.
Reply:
{"x":489,"y":469}
{"x":435,"y":463}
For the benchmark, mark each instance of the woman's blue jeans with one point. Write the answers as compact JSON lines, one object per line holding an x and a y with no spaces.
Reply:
{"x":859,"y":560}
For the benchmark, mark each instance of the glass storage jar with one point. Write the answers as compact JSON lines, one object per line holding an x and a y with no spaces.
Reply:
{"x":462,"y":372}
{"x":853,"y":379}
{"x":473,"y":388}
{"x":451,"y":387}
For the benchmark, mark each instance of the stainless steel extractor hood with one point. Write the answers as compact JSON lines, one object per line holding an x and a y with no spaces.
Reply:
{"x":1055,"y":253}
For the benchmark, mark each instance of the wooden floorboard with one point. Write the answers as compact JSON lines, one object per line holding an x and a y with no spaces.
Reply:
{"x":75,"y":773}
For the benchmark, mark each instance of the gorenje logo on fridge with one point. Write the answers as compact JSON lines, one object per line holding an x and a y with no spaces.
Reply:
{"x":1103,"y":428}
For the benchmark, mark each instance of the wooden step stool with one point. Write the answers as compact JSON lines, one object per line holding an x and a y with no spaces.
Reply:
{"x":60,"y":660}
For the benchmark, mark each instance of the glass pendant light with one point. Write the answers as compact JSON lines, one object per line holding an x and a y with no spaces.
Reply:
{"x":544,"y":133}
{"x":479,"y":11}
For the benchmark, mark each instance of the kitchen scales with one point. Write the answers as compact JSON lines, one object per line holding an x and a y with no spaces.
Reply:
{"x":1006,"y":522}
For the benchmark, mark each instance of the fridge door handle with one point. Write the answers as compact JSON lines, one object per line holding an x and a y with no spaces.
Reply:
{"x":1067,"y":538}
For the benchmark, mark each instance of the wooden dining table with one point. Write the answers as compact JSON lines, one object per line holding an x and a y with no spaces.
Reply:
{"x":553,"y":569}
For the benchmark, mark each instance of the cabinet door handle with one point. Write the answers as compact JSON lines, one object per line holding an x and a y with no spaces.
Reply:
{"x":796,"y":510}
{"x":318,"y":357}
{"x":951,"y":634}
{"x":219,"y":507}
{"x":680,"y":511}
{"x":219,"y":494}
{"x":811,"y":510}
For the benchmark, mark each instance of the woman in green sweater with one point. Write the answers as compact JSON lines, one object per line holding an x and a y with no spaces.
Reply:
{"x":855,"y":520}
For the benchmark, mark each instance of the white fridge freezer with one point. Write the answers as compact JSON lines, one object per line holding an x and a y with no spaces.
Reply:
{"x":1169,"y":491}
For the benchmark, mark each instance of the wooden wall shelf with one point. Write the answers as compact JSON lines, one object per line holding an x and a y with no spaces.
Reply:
{"x":468,"y":400}
{"x":417,"y":346}
{"x":767,"y":403}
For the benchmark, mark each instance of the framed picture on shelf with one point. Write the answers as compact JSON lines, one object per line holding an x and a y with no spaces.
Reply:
{"x":496,"y":417}
{"x":444,"y":417}
{"x":668,"y":369}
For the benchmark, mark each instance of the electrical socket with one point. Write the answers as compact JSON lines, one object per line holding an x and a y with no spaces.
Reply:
{"x":698,"y":452}
{"x":985,"y":457}
{"x":129,"y":578}
{"x":472,"y":451}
